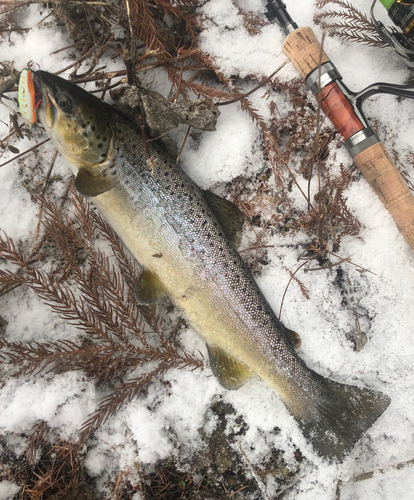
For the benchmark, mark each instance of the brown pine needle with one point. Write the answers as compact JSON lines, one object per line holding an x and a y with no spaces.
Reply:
{"x":42,"y":197}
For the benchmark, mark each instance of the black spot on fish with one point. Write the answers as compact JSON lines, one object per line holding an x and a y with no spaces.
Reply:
{"x":83,"y":125}
{"x":98,"y":136}
{"x":114,"y":172}
{"x":105,"y":139}
{"x":100,"y":146}
{"x":85,"y":134}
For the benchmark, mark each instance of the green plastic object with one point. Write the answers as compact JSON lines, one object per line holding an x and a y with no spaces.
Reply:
{"x":387,"y":3}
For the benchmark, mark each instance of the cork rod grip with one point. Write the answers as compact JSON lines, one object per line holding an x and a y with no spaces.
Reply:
{"x":304,"y":50}
{"x":384,"y":178}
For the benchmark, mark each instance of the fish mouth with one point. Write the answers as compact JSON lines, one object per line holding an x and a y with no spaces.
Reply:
{"x":38,"y":87}
{"x":39,"y":96}
{"x":43,"y":99}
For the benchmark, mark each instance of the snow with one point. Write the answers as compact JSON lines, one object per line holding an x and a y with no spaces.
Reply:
{"x":234,"y":149}
{"x":155,"y":426}
{"x":8,"y":490}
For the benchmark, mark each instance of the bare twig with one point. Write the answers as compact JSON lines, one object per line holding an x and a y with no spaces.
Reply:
{"x":24,"y":153}
{"x":287,"y":286}
{"x":243,"y":96}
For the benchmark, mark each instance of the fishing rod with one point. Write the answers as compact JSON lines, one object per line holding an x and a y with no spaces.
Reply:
{"x":344,"y":108}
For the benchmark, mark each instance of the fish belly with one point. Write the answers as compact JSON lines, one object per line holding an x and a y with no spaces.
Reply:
{"x":210,"y":294}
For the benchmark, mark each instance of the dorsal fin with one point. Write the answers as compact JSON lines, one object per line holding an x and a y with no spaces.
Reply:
{"x":148,"y":288}
{"x":230,"y":373}
{"x":92,"y":185}
{"x":228,"y":215}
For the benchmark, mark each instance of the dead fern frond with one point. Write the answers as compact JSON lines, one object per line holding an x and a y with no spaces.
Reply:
{"x":353,"y":25}
{"x":303,"y":288}
{"x":10,"y":252}
{"x":146,"y":28}
{"x":330,"y":218}
{"x":252,"y":23}
{"x":119,"y":336}
{"x":123,"y":394}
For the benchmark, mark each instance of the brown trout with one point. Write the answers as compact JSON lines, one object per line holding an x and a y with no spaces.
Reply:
{"x":185,"y":239}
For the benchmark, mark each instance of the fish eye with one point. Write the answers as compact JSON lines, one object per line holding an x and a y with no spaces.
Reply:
{"x":64,"y":103}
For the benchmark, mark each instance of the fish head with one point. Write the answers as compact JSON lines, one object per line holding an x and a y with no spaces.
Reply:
{"x":78,"y":123}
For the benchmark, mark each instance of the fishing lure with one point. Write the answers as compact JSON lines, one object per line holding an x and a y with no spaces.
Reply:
{"x":27,"y":97}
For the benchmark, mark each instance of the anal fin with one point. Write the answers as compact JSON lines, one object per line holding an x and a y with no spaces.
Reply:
{"x":92,"y":185}
{"x":230,"y":373}
{"x":149,"y":288}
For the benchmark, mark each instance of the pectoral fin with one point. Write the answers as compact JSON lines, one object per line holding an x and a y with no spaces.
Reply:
{"x":228,"y":215}
{"x":148,"y":288}
{"x":92,"y":185}
{"x":230,"y":373}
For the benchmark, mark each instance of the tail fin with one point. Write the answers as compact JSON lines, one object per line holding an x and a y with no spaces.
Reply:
{"x":341,"y":416}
